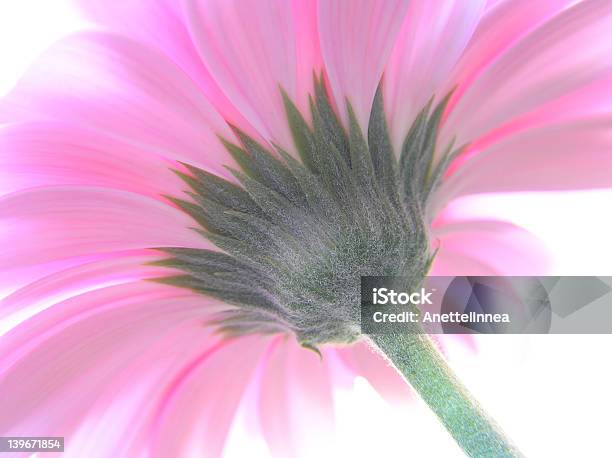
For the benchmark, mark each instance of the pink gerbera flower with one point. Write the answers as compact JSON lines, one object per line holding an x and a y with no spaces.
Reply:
{"x":254,"y":159}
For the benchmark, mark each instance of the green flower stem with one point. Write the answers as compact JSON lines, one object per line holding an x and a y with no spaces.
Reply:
{"x":418,"y":360}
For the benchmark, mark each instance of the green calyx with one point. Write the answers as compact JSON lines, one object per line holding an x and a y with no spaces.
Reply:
{"x":296,"y":235}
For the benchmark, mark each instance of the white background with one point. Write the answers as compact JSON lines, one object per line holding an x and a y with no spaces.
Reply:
{"x":552,"y":394}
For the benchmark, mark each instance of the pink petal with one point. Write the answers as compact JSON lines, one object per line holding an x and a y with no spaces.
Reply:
{"x":272,"y":403}
{"x":58,"y":286}
{"x":432,"y":38}
{"x":62,"y":335}
{"x":504,"y":23}
{"x":560,"y":156}
{"x":252,"y":48}
{"x":356,"y":40}
{"x":65,"y":222}
{"x":384,"y":378}
{"x":564,"y":54}
{"x":452,"y":263}
{"x":589,"y":102}
{"x":485,"y":247}
{"x":162,"y":24}
{"x":125,"y":90}
{"x":47,"y":153}
{"x":198,"y":405}
{"x":17,"y":277}
{"x":102,"y":364}
{"x":295,"y":403}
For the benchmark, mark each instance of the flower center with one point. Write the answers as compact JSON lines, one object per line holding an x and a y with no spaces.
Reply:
{"x":297,"y":235}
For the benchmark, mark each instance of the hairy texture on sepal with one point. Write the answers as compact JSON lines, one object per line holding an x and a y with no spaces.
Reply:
{"x":297,"y":235}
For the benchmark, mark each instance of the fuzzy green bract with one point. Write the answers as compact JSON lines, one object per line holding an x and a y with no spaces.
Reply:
{"x":297,"y":235}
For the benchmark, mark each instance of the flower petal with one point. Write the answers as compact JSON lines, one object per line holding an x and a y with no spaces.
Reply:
{"x":252,"y":48}
{"x":65,"y":222}
{"x":485,"y":247}
{"x":504,"y":23}
{"x":100,"y":364}
{"x":295,"y":404}
{"x":125,"y":90}
{"x":163,"y":25}
{"x":432,"y":38}
{"x":35,"y":154}
{"x":356,"y":40}
{"x":561,"y":156}
{"x":51,"y":334}
{"x":564,"y":54}
{"x":383,"y":377}
{"x":196,"y":409}
{"x":110,"y":270}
